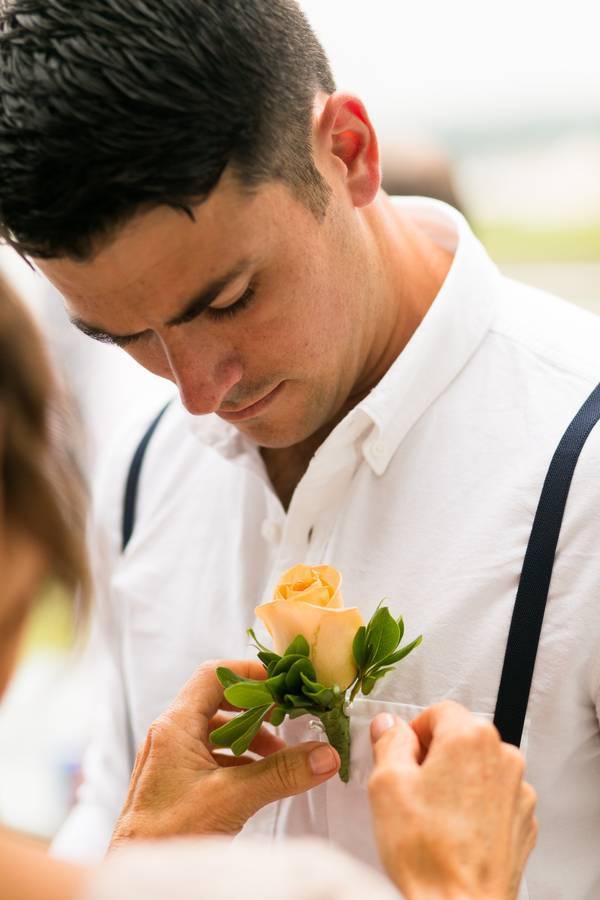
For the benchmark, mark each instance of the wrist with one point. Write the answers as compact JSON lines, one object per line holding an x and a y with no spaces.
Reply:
{"x":130,"y":828}
{"x":416,"y":891}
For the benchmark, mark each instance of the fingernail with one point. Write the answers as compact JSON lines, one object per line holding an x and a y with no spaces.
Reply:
{"x":321,"y":760}
{"x":381,"y":723}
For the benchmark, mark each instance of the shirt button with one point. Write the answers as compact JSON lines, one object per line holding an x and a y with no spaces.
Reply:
{"x":378,"y":448}
{"x":271,"y":531}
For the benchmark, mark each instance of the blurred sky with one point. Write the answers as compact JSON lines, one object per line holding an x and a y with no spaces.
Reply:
{"x":464,"y":63}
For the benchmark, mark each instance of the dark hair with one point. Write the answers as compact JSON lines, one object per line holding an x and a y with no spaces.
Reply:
{"x":41,"y":486}
{"x":110,"y":107}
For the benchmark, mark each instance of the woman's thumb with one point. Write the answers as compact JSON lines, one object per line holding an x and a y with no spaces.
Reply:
{"x":394,"y":741}
{"x":288,"y":772}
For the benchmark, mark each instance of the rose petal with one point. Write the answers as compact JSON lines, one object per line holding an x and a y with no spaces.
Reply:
{"x":285,"y":620}
{"x":319,"y":585}
{"x":329,"y":632}
{"x":332,"y":653}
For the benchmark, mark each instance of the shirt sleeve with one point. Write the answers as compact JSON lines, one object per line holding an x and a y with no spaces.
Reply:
{"x":305,"y":869}
{"x":85,"y":835}
{"x":107,"y":762}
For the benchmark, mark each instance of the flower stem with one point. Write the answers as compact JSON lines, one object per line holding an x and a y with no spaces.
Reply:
{"x":337,"y":728}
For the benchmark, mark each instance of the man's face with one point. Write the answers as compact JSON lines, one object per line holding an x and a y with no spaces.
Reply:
{"x":283,"y":340}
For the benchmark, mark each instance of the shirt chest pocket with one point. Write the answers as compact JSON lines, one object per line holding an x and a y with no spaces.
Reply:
{"x":336,"y":811}
{"x":348,"y":811}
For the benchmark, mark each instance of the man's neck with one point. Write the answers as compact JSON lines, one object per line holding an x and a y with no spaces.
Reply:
{"x":413,"y":268}
{"x":287,"y":465}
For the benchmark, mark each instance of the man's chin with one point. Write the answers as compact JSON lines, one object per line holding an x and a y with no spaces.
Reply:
{"x":292,"y":418}
{"x":269,"y":433}
{"x":272,"y":437}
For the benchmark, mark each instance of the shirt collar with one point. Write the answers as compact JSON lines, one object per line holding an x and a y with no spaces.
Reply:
{"x":449,"y":334}
{"x":222,"y":436}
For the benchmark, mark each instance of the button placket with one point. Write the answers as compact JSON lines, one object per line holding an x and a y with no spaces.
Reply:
{"x":315,"y":504}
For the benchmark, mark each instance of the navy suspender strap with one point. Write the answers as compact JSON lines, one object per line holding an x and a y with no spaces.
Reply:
{"x":128,"y":522}
{"x":534,"y":584}
{"x":133,"y":479}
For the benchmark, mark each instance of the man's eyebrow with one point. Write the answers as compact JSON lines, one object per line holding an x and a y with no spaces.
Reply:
{"x":191,"y":309}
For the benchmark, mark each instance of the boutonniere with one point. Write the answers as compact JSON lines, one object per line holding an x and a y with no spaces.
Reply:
{"x":324,"y":656}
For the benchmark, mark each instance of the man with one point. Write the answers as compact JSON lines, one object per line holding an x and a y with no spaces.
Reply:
{"x":181,"y":785}
{"x":359,"y":386}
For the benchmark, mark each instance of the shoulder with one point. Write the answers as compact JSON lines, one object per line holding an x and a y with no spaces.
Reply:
{"x":552,"y":332}
{"x":185,"y":461}
{"x":173,"y":449}
{"x":176,"y":436}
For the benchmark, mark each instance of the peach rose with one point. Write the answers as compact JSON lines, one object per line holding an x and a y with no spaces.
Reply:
{"x":308,"y":601}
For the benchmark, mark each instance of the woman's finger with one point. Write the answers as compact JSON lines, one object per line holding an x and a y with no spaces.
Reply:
{"x":202,"y":695}
{"x":266,"y":742}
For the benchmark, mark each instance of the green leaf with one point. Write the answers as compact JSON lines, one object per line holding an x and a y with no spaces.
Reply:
{"x":278,"y":715}
{"x":241,"y":744}
{"x":227,"y":677}
{"x":286,"y":663}
{"x":400,"y":654}
{"x":298,"y":646}
{"x":293,"y":679}
{"x":378,"y":673}
{"x":268,"y":658}
{"x":237,"y":727}
{"x":276,"y":684}
{"x":367,"y":684}
{"x":296,"y":713}
{"x":250,"y":633}
{"x":383,"y":634}
{"x":325,"y":696}
{"x":311,"y":684}
{"x":400,"y":621}
{"x":359,"y":646}
{"x":296,"y":701}
{"x":248,"y":696}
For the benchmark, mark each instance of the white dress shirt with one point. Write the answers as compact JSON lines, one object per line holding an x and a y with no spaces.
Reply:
{"x":424,"y":494}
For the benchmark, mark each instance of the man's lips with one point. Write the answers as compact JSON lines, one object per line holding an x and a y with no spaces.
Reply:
{"x":253,"y":409}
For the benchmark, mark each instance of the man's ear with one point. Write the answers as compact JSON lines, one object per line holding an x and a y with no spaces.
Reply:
{"x":344,"y":131}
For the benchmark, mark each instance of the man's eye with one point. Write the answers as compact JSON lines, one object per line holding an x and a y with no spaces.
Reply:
{"x":233,"y":309}
{"x":122,"y":341}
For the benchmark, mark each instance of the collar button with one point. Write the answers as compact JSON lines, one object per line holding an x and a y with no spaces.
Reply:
{"x":271,"y":531}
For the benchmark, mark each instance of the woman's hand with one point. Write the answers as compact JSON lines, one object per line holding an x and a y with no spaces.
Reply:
{"x":453,"y":817}
{"x":181,"y":784}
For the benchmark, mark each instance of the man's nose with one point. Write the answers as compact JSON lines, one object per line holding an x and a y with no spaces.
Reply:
{"x":204,"y":379}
